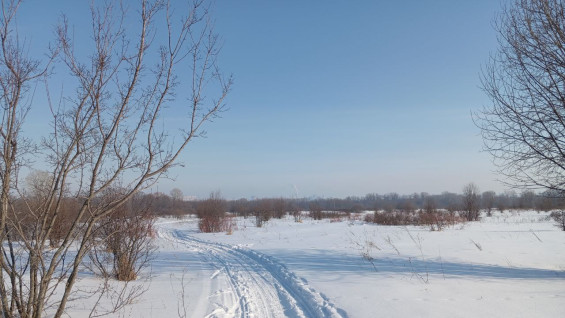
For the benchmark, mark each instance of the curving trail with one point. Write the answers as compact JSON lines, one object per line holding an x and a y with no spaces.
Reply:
{"x":257,"y":285}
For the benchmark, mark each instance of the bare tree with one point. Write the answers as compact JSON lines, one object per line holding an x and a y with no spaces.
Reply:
{"x":501,"y":203}
{"x":527,"y":200}
{"x":406,"y":206}
{"x":471,"y":202}
{"x":524,"y":127}
{"x":178,"y":197}
{"x":240,"y":207}
{"x":107,"y":133}
{"x":546,"y":201}
{"x":488,"y":199}
{"x":430,"y":205}
{"x":177,"y":194}
{"x":279,"y":207}
{"x":316,"y":211}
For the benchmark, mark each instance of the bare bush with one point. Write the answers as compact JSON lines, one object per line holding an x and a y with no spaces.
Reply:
{"x":336,"y":216}
{"x":212,"y":214}
{"x":559,"y":218}
{"x":263,"y":211}
{"x":393,"y":218}
{"x":122,"y":245}
{"x":436,"y":220}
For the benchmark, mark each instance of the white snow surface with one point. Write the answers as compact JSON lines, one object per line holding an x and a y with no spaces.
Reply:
{"x":508,"y":265}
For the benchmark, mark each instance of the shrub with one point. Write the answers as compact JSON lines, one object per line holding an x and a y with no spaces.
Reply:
{"x":123,"y":243}
{"x":437,"y":220}
{"x":297,"y":214}
{"x":315,"y":211}
{"x":263,"y":211}
{"x":559,"y":217}
{"x":394,"y":218}
{"x":212,"y":214}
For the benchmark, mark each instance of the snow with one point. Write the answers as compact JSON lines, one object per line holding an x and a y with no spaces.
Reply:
{"x":507,"y":265}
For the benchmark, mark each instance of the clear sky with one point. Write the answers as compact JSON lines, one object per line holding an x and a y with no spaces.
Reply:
{"x":342,"y":98}
{"x":336,"y":98}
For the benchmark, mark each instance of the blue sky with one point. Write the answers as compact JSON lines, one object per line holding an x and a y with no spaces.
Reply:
{"x":337,"y":98}
{"x":345,"y":98}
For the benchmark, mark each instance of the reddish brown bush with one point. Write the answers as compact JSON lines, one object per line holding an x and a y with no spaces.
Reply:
{"x":263,"y":211}
{"x":437,"y":220}
{"x":123,"y":243}
{"x":393,"y":218}
{"x":212,"y":214}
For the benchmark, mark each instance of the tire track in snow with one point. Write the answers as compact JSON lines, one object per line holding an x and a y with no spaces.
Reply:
{"x":260,"y":285}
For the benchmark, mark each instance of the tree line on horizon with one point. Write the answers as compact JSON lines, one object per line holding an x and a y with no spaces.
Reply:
{"x":175,"y":205}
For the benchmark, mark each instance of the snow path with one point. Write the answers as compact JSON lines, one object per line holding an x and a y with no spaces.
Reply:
{"x":257,"y":285}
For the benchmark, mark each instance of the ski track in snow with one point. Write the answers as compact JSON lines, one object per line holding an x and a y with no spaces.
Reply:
{"x":259,"y":286}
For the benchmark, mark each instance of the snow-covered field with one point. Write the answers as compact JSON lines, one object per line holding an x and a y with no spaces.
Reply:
{"x":508,"y":265}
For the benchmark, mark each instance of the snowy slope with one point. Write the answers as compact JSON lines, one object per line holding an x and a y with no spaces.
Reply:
{"x":258,"y":285}
{"x":508,"y":265}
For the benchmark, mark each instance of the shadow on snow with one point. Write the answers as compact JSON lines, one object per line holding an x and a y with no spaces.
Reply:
{"x":331,"y":261}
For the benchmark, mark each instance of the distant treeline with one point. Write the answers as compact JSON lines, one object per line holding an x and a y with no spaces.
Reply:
{"x":163,"y":204}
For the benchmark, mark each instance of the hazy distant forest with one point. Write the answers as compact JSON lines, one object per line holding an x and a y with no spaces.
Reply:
{"x":163,"y":204}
